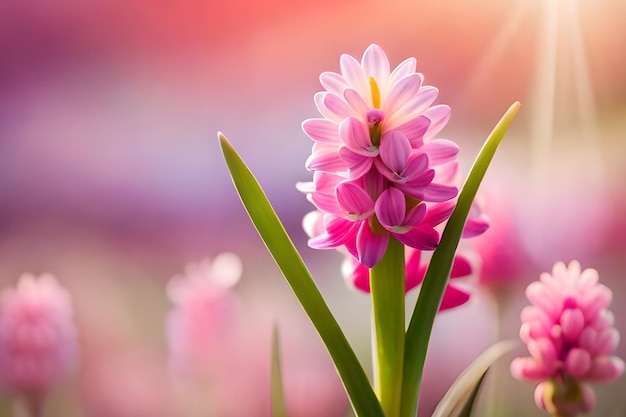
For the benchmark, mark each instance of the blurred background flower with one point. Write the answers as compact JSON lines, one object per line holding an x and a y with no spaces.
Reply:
{"x":111,"y":176}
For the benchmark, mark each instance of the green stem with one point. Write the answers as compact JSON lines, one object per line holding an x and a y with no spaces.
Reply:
{"x":387,"y":289}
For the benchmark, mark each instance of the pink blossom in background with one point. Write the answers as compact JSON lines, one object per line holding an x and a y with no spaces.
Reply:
{"x":570,"y":336}
{"x":503,"y":256}
{"x":378,"y":171}
{"x":204,"y":313}
{"x":38,"y":337}
{"x":357,"y":275}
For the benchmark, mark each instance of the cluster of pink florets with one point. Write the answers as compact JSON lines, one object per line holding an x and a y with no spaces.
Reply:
{"x":38,"y":338}
{"x":378,"y":171}
{"x":570,"y":335}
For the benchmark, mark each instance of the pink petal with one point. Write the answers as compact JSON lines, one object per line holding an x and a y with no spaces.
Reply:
{"x":577,"y":362}
{"x":438,"y":193}
{"x":439,"y":212}
{"x":461,"y":267}
{"x":439,"y":116}
{"x":402,"y":92}
{"x":333,"y":82}
{"x":414,"y":130}
{"x":416,"y":104}
{"x":390,"y":208}
{"x":321,"y":130}
{"x":405,"y":68}
{"x":376,"y":64}
{"x":538,"y":295}
{"x":606,"y":342}
{"x":325,"y":158}
{"x":572,"y":323}
{"x":605,"y":369}
{"x":415,"y":215}
{"x":527,"y":368}
{"x":440,"y":151}
{"x":544,"y":351}
{"x":371,"y":246}
{"x":332,"y":107}
{"x":338,"y":231}
{"x":453,"y":297}
{"x":374,"y":183}
{"x":358,"y":165}
{"x":475,"y":227}
{"x":416,"y":165}
{"x":395,"y":149}
{"x":421,"y":237}
{"x":354,"y":100}
{"x":354,"y":201}
{"x":353,"y":73}
{"x":357,"y":137}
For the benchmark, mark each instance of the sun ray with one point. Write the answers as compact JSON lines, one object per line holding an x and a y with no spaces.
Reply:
{"x":542,"y":119}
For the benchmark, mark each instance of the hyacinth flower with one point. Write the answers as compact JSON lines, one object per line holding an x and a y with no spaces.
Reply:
{"x":570,"y":336}
{"x":381,"y":182}
{"x":38,"y":338}
{"x":377,"y":160}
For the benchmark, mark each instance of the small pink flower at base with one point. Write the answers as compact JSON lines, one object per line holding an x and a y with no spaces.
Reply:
{"x":38,"y":337}
{"x":378,"y":169}
{"x":204,"y":307}
{"x":570,"y":335}
{"x":357,"y":276}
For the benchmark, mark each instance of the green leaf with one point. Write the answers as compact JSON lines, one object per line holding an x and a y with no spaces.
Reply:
{"x":271,"y":230}
{"x":279,"y":406}
{"x":461,"y":397}
{"x":436,"y":279}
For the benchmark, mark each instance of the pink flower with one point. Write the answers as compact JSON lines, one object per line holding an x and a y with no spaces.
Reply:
{"x":570,"y":335}
{"x":357,"y":275}
{"x":38,"y":337}
{"x":199,"y":324}
{"x":375,"y":160}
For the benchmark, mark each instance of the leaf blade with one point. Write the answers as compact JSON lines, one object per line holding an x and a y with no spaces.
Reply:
{"x":460,"y":398}
{"x":272,"y":232}
{"x":436,"y":279}
{"x":278,"y":404}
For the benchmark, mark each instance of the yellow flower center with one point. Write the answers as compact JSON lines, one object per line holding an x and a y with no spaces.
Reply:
{"x":375,"y":93}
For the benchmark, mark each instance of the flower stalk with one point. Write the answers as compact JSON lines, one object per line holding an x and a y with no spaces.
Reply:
{"x":387,"y":280}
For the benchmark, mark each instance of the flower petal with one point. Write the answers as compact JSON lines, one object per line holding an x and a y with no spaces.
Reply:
{"x":390,"y":208}
{"x":353,"y":74}
{"x":376,"y":64}
{"x":395,"y":149}
{"x":421,"y":237}
{"x":461,"y":267}
{"x":322,"y":130}
{"x":371,"y":246}
{"x":356,"y":136}
{"x":439,"y":116}
{"x":338,"y":231}
{"x":332,"y":106}
{"x":414,"y":129}
{"x":333,"y":82}
{"x":355,"y":202}
{"x":453,"y":297}
{"x":440,"y":151}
